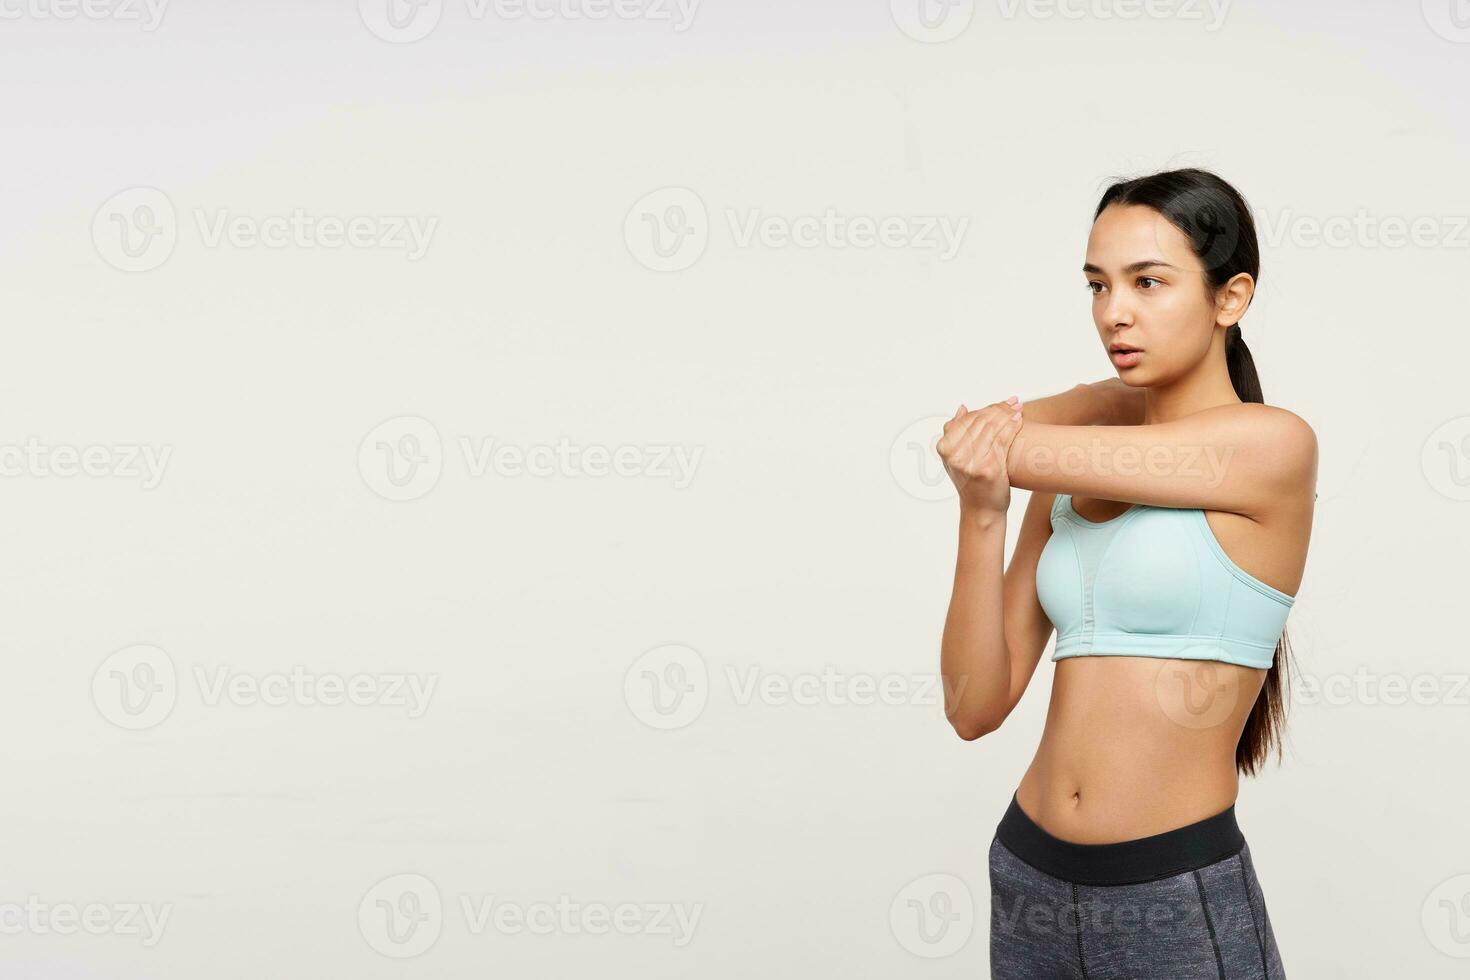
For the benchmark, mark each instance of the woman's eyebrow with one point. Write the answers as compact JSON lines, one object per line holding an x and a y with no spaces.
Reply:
{"x":1132,"y":266}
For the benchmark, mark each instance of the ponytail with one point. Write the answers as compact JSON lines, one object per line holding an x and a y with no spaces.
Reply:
{"x":1267,"y":720}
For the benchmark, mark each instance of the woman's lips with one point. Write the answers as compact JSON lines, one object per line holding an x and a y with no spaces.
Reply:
{"x":1126,"y":358}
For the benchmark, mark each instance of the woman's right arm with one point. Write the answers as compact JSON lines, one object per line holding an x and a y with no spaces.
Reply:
{"x":996,"y":629}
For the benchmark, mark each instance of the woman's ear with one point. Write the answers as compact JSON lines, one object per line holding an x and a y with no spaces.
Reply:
{"x":1234,"y":298}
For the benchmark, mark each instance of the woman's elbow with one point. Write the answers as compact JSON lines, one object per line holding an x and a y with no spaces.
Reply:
{"x":972,"y":728}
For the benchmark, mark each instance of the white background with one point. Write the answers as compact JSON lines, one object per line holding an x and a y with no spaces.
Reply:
{"x":799,"y":546}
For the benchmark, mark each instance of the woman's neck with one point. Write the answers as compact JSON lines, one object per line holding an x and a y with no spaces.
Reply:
{"x":1208,"y":386}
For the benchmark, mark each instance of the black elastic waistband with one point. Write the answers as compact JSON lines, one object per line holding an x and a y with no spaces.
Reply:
{"x":1127,"y":862}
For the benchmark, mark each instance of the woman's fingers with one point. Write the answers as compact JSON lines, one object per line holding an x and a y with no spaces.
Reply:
{"x":1000,"y":428}
{"x":955,"y":431}
{"x":958,"y":427}
{"x":995,"y":419}
{"x":984,"y":433}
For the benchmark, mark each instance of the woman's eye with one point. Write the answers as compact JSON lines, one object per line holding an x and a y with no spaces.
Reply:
{"x":1090,"y":288}
{"x":1144,"y":279}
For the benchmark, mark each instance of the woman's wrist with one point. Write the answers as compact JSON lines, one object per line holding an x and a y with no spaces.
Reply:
{"x":981,"y":518}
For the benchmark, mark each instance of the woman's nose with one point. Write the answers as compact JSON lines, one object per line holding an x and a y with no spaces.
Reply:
{"x":1118,"y":313}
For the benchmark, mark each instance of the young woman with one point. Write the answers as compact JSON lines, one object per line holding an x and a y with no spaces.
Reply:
{"x":1164,"y":541}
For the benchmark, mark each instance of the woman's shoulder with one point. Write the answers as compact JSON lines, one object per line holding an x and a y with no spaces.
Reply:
{"x":1281,"y":445}
{"x":1283,"y":431}
{"x":1289,"y":434}
{"x":1276,"y":415}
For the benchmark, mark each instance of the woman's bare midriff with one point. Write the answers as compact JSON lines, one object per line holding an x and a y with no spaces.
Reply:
{"x":1135,"y":746}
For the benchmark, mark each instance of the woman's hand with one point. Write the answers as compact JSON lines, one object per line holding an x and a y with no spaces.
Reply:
{"x":973,"y":449}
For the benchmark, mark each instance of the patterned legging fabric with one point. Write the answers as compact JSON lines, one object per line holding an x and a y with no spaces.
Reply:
{"x":1205,"y":924}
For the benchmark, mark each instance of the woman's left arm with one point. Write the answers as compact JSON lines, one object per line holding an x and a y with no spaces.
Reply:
{"x":1236,"y":458}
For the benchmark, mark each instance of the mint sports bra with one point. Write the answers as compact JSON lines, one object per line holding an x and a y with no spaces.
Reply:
{"x":1153,"y":582}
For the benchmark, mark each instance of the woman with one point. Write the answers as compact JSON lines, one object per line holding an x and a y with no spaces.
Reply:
{"x":1165,"y":539}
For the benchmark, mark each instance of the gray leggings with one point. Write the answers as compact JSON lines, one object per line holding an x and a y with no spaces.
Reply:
{"x":1183,"y":905}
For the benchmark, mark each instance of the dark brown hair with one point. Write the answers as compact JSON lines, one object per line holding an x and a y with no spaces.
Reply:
{"x":1217,"y":221}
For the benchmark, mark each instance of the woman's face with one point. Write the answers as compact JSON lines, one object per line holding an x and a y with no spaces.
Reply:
{"x":1149,"y":294}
